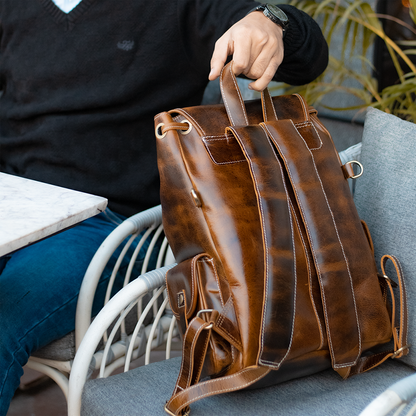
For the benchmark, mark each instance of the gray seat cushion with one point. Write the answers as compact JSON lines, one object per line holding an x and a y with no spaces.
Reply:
{"x":144,"y":391}
{"x":385,"y":197}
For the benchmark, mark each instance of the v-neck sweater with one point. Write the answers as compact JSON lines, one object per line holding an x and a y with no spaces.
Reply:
{"x":80,"y":89}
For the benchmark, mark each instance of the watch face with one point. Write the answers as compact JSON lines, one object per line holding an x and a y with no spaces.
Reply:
{"x":280,"y":14}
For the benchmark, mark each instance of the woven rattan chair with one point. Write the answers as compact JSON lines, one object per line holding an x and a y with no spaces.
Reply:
{"x":55,"y":360}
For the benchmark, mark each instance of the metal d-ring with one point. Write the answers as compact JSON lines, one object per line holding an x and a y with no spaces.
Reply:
{"x":158,"y":131}
{"x":205,"y":311}
{"x":400,"y":350}
{"x":351,"y":162}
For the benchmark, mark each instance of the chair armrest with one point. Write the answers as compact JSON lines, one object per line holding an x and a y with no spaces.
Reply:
{"x":138,"y":287}
{"x":401,"y":392}
{"x":132,"y":225}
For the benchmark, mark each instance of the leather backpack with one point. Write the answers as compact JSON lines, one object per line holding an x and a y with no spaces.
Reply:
{"x":276,"y":277}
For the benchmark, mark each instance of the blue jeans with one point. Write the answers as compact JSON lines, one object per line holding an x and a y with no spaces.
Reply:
{"x":39,"y":287}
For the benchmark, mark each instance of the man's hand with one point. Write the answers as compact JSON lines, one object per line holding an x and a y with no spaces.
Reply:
{"x":256,"y":44}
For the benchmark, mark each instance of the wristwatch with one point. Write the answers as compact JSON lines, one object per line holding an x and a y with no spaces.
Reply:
{"x":274,"y":13}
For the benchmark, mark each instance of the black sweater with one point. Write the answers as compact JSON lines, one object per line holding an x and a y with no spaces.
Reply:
{"x":80,"y":90}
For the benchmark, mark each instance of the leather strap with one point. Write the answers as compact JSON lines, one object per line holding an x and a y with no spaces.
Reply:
{"x":344,"y":337}
{"x":269,"y":112}
{"x":401,"y":347}
{"x":231,"y":95}
{"x":278,"y":243}
{"x":186,"y":389}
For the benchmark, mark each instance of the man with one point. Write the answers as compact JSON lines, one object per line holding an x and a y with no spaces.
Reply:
{"x":80,"y":89}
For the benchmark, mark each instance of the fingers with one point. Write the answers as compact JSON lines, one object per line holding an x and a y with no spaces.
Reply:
{"x":256,"y":44}
{"x":266,"y":74}
{"x":224,"y":47}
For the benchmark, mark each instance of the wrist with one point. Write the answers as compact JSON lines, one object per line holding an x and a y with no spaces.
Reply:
{"x":274,"y":14}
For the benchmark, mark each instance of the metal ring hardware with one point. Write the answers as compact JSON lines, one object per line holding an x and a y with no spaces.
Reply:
{"x":158,"y":131}
{"x":400,"y":350}
{"x":356,"y":162}
{"x":189,"y":128}
{"x":204,"y":311}
{"x":210,"y":326}
{"x":392,"y":282}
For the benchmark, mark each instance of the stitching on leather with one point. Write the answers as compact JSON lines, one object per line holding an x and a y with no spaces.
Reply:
{"x":216,"y":276}
{"x":294,"y":261}
{"x":194,"y":121}
{"x":202,"y":359}
{"x":274,"y":110}
{"x":211,"y":393}
{"x":222,"y":314}
{"x":219,"y":138}
{"x":225,"y":102}
{"x":263,"y":98}
{"x":303,"y":124}
{"x":276,"y":365}
{"x":221,"y":320}
{"x":317,"y":266}
{"x":316,"y":131}
{"x":310,"y":124}
{"x":316,"y":120}
{"x":183,"y":360}
{"x":223,"y":163}
{"x":239,"y":95}
{"x":343,"y":253}
{"x":305,"y":110}
{"x":404,"y":292}
{"x":193,"y":279}
{"x":225,"y":306}
{"x":321,"y":332}
{"x":264,"y":233}
{"x":232,"y":353}
{"x":201,"y":328}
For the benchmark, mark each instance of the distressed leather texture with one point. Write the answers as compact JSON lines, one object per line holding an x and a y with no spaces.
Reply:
{"x":260,"y":218}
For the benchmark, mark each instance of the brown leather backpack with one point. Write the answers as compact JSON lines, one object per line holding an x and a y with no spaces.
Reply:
{"x":276,"y":277}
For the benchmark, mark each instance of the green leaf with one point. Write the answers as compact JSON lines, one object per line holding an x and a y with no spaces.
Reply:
{"x":413,"y":10}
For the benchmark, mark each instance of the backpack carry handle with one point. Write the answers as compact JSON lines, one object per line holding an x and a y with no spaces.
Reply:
{"x":234,"y":103}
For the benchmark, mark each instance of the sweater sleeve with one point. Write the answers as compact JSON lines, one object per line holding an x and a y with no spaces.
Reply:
{"x":306,"y":50}
{"x":202,"y":22}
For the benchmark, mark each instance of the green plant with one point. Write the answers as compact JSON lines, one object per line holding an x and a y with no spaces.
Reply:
{"x":359,"y":24}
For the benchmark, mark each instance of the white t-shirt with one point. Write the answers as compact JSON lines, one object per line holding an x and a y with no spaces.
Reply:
{"x":66,"y":5}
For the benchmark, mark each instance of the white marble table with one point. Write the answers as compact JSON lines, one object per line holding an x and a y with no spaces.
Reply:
{"x":31,"y":210}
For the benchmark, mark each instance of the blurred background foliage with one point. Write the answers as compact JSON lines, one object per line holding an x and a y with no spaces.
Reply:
{"x":373,"y":57}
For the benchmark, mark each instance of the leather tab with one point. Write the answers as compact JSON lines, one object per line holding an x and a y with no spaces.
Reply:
{"x":348,"y":170}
